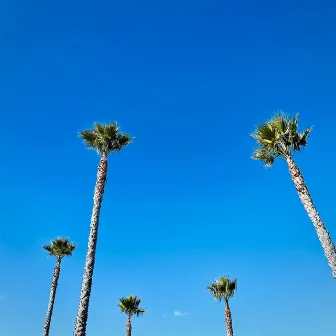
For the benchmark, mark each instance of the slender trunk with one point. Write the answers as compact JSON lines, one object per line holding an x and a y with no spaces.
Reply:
{"x":52,"y":295}
{"x":228,"y":319}
{"x":128,"y":326}
{"x":322,"y":233}
{"x":83,"y":307}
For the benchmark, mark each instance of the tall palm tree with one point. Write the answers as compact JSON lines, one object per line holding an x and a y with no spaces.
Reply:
{"x":280,"y":138}
{"x":224,"y":289}
{"x":130,"y":306}
{"x":105,"y":139}
{"x":59,"y":248}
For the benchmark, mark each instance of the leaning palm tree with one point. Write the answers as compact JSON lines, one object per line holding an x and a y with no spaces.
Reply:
{"x":130,"y":306}
{"x":280,"y":138}
{"x":59,"y":248}
{"x":105,"y":139}
{"x":224,"y":289}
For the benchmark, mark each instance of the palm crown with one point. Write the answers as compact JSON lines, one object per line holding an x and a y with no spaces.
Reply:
{"x":278,"y":137}
{"x":60,"y":248}
{"x":130,"y":305}
{"x":224,"y":288}
{"x":105,"y":138}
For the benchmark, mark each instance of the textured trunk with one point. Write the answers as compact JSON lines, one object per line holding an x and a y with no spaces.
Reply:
{"x":128,"y":326}
{"x":322,"y":233}
{"x":83,"y":307}
{"x":52,"y":295}
{"x":228,"y":319}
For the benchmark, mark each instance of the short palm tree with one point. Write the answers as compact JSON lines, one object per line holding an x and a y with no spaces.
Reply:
{"x":105,"y":139}
{"x":280,"y":138}
{"x":59,"y":248}
{"x":130,"y":306}
{"x":224,"y":289}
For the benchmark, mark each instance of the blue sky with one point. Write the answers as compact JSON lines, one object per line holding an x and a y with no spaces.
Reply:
{"x":184,"y":203}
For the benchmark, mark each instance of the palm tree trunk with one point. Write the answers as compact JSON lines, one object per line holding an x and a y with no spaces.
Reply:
{"x":322,"y":233}
{"x":52,"y":295}
{"x":128,"y":326}
{"x":228,"y":319}
{"x":83,"y":307}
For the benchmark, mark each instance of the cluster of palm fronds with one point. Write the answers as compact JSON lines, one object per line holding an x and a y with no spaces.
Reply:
{"x":278,"y":137}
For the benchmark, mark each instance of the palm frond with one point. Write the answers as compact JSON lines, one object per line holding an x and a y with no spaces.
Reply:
{"x":278,"y":137}
{"x":280,"y":122}
{"x":214,"y":291}
{"x":292,"y":129}
{"x":111,"y":130}
{"x":105,"y":138}
{"x":223,"y":288}
{"x":304,"y":136}
{"x":265,"y":134}
{"x":231,"y":287}
{"x":264,"y":156}
{"x":99,"y":129}
{"x":89,"y":138}
{"x":130,"y":305}
{"x":60,"y":248}
{"x":121,"y":141}
{"x":140,"y":311}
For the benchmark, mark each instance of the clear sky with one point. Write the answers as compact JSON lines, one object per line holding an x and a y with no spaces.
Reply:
{"x":184,"y":203}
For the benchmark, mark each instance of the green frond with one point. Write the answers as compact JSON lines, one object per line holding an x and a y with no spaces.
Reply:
{"x":265,"y":134}
{"x":214,"y":291}
{"x":60,"y":247}
{"x":140,"y":312}
{"x":122,"y":140}
{"x":280,"y":123}
{"x":130,"y":305}
{"x":278,"y":137}
{"x":232,"y":287}
{"x":105,"y":138}
{"x":99,"y":129}
{"x":89,"y":138}
{"x":292,"y":130}
{"x":264,"y":156}
{"x":111,"y":130}
{"x":293,"y":123}
{"x":223,"y":288}
{"x":304,"y":136}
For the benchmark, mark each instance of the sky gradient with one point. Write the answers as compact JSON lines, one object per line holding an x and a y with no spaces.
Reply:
{"x":184,"y":203}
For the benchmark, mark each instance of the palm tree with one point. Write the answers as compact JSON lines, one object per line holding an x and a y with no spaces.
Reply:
{"x":105,"y":139}
{"x":130,"y":306}
{"x":279,"y":138}
{"x":59,"y":248}
{"x":224,"y":289}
